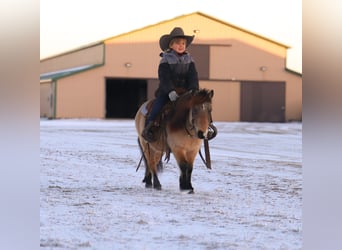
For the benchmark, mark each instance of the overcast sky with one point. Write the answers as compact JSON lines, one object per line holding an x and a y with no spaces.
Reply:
{"x":69,"y":24}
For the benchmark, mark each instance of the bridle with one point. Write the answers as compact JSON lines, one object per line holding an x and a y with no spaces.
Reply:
{"x":190,"y":126}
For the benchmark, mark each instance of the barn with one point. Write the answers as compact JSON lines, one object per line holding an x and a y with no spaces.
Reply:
{"x":111,"y":78}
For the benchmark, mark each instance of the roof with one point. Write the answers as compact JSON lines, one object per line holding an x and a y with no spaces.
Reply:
{"x":67,"y":72}
{"x":293,"y":72}
{"x":74,"y":50}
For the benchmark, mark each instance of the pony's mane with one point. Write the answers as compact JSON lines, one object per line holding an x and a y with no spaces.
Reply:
{"x":185,"y":102}
{"x":201,"y":96}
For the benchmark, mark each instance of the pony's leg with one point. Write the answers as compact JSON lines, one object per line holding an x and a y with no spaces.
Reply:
{"x":152,"y":162}
{"x":152,"y":159}
{"x":185,"y":176}
{"x":148,"y":178}
{"x":156,"y":183}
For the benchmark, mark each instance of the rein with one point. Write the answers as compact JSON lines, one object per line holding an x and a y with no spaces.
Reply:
{"x":142,"y":155}
{"x":207,"y":160}
{"x":191,"y":128}
{"x":190,"y":124}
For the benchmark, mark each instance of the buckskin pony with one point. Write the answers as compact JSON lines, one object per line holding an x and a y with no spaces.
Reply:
{"x":182,"y":125}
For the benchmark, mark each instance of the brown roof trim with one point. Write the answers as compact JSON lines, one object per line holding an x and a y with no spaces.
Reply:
{"x":52,"y":76}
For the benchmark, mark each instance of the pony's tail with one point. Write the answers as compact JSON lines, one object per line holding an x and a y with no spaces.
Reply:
{"x":160,"y":166}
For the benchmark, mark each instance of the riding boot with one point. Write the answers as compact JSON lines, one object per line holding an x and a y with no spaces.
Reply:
{"x":147,"y":133}
{"x":151,"y":130}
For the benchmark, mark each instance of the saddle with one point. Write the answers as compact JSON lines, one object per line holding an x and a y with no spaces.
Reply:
{"x":160,"y":120}
{"x":158,"y":128}
{"x":159,"y":125}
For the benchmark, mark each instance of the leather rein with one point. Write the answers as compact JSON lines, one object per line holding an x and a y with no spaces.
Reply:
{"x":191,"y":127}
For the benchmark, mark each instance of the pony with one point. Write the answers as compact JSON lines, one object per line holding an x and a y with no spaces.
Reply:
{"x":182,"y":126}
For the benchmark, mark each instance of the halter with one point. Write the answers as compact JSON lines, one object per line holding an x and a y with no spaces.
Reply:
{"x":191,"y":120}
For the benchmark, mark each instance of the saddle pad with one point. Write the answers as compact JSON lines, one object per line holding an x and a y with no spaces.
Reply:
{"x":146,"y":107}
{"x":144,"y":110}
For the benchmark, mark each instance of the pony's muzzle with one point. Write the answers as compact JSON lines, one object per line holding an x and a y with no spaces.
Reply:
{"x":201,"y":134}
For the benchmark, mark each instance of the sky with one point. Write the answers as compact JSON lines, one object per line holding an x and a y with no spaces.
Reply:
{"x":69,"y":24}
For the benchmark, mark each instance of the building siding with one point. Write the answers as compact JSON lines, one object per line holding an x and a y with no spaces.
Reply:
{"x":81,"y":95}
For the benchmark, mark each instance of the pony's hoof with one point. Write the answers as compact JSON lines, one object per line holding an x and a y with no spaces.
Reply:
{"x":187,"y":191}
{"x":148,"y":185}
{"x":157,"y":187}
{"x":185,"y":187}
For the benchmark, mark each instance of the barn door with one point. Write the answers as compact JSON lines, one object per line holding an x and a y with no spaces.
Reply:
{"x":124,"y":96}
{"x":263,"y":101}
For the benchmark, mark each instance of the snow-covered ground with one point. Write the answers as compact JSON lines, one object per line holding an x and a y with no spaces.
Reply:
{"x":91,"y":196}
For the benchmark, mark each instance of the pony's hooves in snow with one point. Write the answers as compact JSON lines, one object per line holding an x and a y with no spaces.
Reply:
{"x":158,"y":187}
{"x":187,"y":190}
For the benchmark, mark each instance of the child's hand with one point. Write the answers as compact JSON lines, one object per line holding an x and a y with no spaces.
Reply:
{"x":173,"y":96}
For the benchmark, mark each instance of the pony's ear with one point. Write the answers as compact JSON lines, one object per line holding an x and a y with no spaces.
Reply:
{"x":211,"y":94}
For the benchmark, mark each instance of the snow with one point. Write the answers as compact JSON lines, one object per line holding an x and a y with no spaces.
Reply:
{"x":91,"y":196}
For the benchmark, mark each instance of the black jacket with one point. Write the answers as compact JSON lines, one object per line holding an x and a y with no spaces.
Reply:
{"x":176,"y":71}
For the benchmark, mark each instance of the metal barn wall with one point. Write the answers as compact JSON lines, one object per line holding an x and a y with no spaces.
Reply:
{"x":240,"y":62}
{"x":214,"y":32}
{"x":81,"y":95}
{"x":133,"y":60}
{"x":293,"y":97}
{"x":226,"y":100}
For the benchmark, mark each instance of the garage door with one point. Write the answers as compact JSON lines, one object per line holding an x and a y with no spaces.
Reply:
{"x":263,"y":101}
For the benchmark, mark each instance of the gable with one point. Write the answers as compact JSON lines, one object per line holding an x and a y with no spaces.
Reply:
{"x":207,"y":30}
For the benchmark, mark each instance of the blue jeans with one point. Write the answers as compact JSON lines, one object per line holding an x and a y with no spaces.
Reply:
{"x":157,"y":107}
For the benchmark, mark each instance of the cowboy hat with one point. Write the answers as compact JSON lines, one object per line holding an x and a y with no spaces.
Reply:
{"x":165,"y":40}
